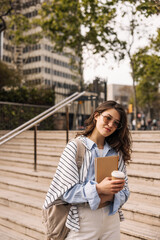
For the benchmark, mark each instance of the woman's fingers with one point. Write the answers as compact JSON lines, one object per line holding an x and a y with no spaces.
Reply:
{"x":108,"y":186}
{"x":117,"y":185}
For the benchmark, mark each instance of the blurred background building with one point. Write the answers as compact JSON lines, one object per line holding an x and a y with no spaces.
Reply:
{"x":39,"y":64}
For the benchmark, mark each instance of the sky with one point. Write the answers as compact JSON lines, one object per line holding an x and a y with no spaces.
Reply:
{"x":112,"y":73}
{"x":119,"y":73}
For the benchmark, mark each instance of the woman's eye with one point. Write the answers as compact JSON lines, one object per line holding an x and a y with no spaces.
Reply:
{"x":108,"y":118}
{"x":116,"y":123}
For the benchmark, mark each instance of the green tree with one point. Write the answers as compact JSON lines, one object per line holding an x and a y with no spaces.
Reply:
{"x":147,"y":75}
{"x":18,"y":28}
{"x":147,"y":7}
{"x":9,"y":77}
{"x":74,"y":26}
{"x":155,"y":42}
{"x":135,"y":14}
{"x":5,"y":10}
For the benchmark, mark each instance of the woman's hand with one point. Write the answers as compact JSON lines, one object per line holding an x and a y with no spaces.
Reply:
{"x":109,"y":186}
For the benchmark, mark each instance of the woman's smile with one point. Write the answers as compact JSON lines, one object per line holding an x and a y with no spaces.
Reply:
{"x":107,"y":129}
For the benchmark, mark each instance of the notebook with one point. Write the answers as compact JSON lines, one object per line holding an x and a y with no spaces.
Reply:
{"x":104,"y":166}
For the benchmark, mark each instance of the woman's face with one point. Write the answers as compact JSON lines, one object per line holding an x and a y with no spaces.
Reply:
{"x":107,"y":122}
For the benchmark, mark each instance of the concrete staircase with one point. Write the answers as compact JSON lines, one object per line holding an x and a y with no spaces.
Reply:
{"x":142,"y":210}
{"x":22,"y":190}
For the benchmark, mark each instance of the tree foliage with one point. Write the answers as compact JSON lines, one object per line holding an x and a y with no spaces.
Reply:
{"x":8,"y":77}
{"x":77,"y":25}
{"x":147,"y":7}
{"x":147,"y":75}
{"x":136,"y":29}
{"x":5,"y":10}
{"x":28,"y":95}
{"x":19,"y":27}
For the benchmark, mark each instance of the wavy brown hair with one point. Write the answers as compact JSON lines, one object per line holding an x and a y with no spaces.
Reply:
{"x":120,"y":140}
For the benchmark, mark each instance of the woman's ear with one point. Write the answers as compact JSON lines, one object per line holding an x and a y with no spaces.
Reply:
{"x":96,"y":115}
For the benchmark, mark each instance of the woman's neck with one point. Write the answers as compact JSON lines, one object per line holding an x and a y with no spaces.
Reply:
{"x":99,"y":140}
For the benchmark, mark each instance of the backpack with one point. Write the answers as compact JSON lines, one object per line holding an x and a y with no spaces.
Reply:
{"x":54,"y":218}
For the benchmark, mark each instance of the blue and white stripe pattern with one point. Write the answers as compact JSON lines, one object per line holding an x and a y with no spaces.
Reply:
{"x":67,"y":176}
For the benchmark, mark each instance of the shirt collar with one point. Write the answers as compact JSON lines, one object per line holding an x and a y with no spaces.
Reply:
{"x":91,"y":144}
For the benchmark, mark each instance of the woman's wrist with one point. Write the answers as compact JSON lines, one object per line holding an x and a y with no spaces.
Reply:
{"x":106,"y":198}
{"x":99,"y":191}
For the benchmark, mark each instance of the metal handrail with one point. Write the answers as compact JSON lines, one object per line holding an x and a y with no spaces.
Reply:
{"x":38,"y":116}
{"x":44,"y":117}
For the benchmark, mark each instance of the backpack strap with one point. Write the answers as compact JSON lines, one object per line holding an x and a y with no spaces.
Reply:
{"x":80,"y":153}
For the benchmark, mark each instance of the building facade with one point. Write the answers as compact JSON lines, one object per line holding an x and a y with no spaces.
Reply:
{"x":120,"y":93}
{"x":38,"y":63}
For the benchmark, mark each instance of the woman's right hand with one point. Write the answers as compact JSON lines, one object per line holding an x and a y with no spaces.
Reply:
{"x":109,"y":186}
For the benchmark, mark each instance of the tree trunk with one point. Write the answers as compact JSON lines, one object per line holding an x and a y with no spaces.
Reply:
{"x":134,"y":91}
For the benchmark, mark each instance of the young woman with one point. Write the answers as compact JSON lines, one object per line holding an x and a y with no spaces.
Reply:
{"x":95,"y":213}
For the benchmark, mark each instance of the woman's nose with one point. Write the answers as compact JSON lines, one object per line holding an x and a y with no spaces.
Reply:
{"x":111,"y":123}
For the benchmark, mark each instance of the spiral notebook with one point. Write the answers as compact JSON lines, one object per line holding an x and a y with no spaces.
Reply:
{"x":104,"y":166}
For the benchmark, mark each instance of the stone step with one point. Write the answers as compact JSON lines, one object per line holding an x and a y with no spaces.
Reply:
{"x":21,"y":202}
{"x":144,"y":193}
{"x":42,"y":165}
{"x":37,"y":189}
{"x":151,"y":146}
{"x":143,"y":177}
{"x":51,"y":140}
{"x":145,"y":167}
{"x":51,"y":148}
{"x":22,"y":222}
{"x":28,"y":174}
{"x":9,"y":234}
{"x":136,"y":135}
{"x":146,"y":150}
{"x":44,"y":156}
{"x":145,"y":135}
{"x":30,"y":147}
{"x":29,"y":154}
{"x":44,"y":137}
{"x":145,"y":161}
{"x":142,"y":212}
{"x":132,"y":230}
{"x":146,"y":141}
{"x":147,"y":156}
{"x":43,"y":134}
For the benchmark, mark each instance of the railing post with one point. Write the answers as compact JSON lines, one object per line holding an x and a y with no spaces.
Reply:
{"x":35,"y":148}
{"x":67,"y":124}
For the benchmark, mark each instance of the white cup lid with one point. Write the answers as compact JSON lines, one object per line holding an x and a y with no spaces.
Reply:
{"x":118,"y":174}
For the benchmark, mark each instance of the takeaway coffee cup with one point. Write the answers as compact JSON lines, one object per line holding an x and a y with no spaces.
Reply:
{"x":117,"y":175}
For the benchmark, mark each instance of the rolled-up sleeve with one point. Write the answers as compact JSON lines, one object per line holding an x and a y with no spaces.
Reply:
{"x":121,"y":197}
{"x":82,"y":193}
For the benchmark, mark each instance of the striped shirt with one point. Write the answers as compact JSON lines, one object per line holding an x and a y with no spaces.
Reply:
{"x":66,"y":177}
